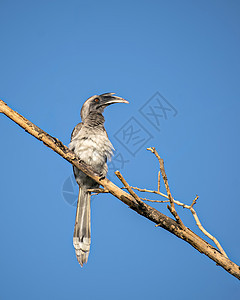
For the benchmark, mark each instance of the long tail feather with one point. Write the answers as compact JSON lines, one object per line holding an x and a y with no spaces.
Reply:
{"x":82,"y":229}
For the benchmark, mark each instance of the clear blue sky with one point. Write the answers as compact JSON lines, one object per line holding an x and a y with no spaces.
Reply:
{"x":53,"y":56}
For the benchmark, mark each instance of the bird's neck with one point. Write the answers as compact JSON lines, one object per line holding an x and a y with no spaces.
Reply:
{"x":94,"y":119}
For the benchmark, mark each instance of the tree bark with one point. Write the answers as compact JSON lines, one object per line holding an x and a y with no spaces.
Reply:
{"x":140,"y":207}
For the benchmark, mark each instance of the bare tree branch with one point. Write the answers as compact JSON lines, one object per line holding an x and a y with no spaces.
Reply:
{"x":154,"y":151}
{"x":140,"y":207}
{"x":159,"y":178}
{"x":164,"y":176}
{"x":154,"y":201}
{"x":190,"y":207}
{"x":135,"y":196}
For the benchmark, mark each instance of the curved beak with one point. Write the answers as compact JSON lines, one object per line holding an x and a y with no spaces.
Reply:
{"x":109,"y":98}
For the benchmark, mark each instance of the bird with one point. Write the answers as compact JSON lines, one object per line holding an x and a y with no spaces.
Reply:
{"x":90,"y":142}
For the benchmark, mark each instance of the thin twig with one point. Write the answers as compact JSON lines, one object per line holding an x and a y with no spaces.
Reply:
{"x":172,"y":201}
{"x":147,"y":191}
{"x":156,"y":201}
{"x":190,"y":207}
{"x":203,"y":229}
{"x":130,"y":190}
{"x":194,"y":201}
{"x":127,"y":186}
{"x":159,"y":178}
{"x":164,"y":176}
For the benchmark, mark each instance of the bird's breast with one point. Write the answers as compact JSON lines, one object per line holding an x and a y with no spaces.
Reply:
{"x":93,"y":149}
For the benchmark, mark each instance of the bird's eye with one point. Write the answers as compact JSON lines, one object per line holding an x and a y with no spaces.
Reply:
{"x":97,"y":100}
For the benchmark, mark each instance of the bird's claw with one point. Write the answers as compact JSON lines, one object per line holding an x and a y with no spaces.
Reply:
{"x":101,"y":176}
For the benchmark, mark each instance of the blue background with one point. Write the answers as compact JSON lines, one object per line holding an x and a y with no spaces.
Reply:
{"x":56,"y":54}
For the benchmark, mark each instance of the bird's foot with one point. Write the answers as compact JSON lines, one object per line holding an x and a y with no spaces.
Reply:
{"x":101,"y":176}
{"x":98,"y":190}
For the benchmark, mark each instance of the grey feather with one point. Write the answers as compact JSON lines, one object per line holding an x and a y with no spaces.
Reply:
{"x":90,"y":143}
{"x":82,"y":228}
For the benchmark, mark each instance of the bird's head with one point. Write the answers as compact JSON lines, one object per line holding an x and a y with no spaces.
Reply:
{"x":98,"y":103}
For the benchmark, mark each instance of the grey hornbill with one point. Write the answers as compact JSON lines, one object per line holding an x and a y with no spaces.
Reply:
{"x":90,"y":143}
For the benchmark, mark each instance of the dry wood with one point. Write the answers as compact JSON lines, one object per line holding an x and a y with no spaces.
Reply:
{"x":141,"y":208}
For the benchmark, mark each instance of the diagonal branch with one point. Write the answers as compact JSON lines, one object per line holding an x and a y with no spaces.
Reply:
{"x":145,"y":210}
{"x":190,"y":207}
{"x":127,"y":186}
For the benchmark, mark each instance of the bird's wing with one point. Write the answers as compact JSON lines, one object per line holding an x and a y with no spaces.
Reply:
{"x":76,"y":130}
